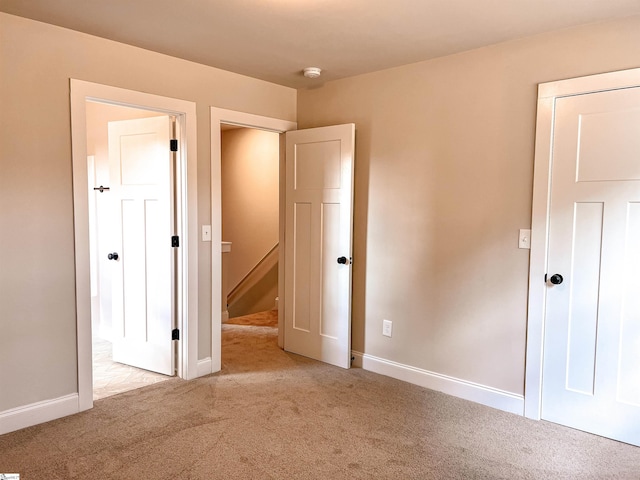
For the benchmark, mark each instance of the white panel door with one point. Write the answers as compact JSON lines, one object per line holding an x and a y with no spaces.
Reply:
{"x":591,"y":368}
{"x":142,"y":275}
{"x":319,"y":224}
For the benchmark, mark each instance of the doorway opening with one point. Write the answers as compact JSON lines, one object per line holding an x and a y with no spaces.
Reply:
{"x":250,"y":228}
{"x":182,"y":333}
{"x":250,"y":219}
{"x":237,"y":126}
{"x":113,"y":374}
{"x":316,"y":203}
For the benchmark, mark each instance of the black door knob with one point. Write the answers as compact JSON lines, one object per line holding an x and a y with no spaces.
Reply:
{"x":113,"y":256}
{"x":342,"y":260}
{"x":556,"y":279}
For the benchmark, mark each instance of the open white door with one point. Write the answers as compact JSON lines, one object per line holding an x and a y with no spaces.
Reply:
{"x":591,"y":369}
{"x":319,"y":225}
{"x":142,"y":273}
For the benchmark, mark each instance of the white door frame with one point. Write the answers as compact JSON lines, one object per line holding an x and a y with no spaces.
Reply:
{"x":547,"y":95}
{"x":221,"y":116}
{"x":186,"y":209}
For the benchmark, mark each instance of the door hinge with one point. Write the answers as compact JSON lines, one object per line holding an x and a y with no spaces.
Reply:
{"x":175,"y":334}
{"x":173,"y":145}
{"x":175,"y":241}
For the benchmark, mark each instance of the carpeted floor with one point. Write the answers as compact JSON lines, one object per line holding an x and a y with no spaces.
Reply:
{"x":261,"y":319}
{"x":273,"y":415}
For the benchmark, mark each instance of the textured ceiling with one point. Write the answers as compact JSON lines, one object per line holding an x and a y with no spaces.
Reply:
{"x":275,"y":39}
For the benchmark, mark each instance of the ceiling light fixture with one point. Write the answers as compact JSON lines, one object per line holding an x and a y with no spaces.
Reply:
{"x":312,"y":72}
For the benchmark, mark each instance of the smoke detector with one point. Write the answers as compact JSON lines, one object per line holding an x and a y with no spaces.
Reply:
{"x":312,"y":72}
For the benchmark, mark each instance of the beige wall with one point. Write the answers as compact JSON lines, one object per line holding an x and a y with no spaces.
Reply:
{"x":250,"y":197}
{"x":444,"y":164}
{"x":260,"y":298}
{"x":37,"y":295}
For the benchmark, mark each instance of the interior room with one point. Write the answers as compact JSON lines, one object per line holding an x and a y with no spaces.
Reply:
{"x":435,"y":129}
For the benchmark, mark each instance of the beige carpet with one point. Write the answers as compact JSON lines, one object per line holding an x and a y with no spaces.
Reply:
{"x":273,"y":415}
{"x":264,"y":319}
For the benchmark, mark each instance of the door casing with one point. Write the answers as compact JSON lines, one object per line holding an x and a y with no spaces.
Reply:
{"x":222,"y":116}
{"x":547,"y":95}
{"x":186,"y":209}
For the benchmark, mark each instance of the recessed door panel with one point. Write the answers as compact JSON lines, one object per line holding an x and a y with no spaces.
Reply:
{"x":317,"y":165}
{"x":609,"y":147}
{"x":583,"y":300}
{"x":133,"y":260}
{"x":628,"y":382}
{"x":138,"y":154}
{"x":330,"y":313}
{"x":158,"y":274}
{"x":302,"y":267}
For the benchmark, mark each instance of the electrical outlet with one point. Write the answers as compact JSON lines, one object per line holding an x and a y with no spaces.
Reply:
{"x":387,"y":327}
{"x":524,"y":239}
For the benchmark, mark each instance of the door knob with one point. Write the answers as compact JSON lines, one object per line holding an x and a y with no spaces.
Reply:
{"x":556,"y":279}
{"x":113,"y":256}
{"x":342,"y":260}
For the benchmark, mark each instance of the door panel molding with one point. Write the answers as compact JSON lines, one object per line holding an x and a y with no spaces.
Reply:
{"x":547,"y":95}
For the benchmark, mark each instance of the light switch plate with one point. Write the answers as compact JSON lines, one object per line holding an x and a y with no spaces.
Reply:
{"x":206,"y":233}
{"x":524,"y":239}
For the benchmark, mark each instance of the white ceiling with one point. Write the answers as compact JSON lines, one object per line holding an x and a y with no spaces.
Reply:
{"x":275,"y":39}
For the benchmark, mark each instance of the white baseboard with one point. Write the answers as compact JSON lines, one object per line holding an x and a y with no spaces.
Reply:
{"x":204,"y":367}
{"x":40,"y":412}
{"x":492,"y":397}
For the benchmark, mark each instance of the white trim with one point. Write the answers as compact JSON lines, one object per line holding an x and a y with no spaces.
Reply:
{"x":185,"y":112}
{"x":40,"y":412}
{"x":491,"y":397}
{"x":538,"y":260}
{"x":204,"y":367}
{"x":547,"y":95}
{"x":222,"y":116}
{"x":590,"y":84}
{"x":282,"y":179}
